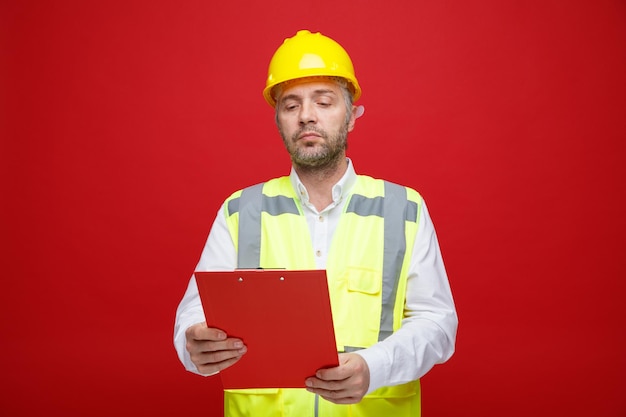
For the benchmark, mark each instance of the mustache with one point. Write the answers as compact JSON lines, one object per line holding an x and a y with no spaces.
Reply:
{"x":307,"y":129}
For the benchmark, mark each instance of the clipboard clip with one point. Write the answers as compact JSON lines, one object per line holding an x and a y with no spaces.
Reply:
{"x":240,"y":279}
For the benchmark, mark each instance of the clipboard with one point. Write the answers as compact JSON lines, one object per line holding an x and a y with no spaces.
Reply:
{"x":283,"y":317}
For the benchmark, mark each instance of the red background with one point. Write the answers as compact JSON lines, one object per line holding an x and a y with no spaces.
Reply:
{"x":125,"y":124}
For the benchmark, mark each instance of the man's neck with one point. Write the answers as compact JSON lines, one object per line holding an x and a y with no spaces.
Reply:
{"x":319,"y":182}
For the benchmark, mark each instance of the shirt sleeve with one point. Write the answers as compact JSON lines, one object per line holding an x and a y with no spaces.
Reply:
{"x":218,"y":255}
{"x":428,"y":331}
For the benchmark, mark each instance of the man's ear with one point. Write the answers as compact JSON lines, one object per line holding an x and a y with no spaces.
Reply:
{"x":357,"y":111}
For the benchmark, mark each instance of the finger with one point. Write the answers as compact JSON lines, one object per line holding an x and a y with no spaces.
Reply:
{"x":341,"y":400}
{"x":350,"y":366}
{"x":331,"y":374}
{"x":200,"y":331}
{"x":211,"y":346}
{"x":344,"y":384}
{"x":217,"y":356}
{"x":214,"y":361}
{"x":212,"y":368}
{"x":340,"y":396}
{"x":214,"y":334}
{"x":337,"y":373}
{"x":324,"y":386}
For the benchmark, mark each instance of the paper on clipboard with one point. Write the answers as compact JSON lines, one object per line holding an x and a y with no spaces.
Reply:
{"x":283,"y":317}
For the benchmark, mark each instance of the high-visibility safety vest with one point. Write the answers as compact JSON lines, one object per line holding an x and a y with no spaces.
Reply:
{"x":366,"y":267}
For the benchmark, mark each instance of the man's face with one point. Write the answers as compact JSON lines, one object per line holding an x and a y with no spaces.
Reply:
{"x":311,"y":117}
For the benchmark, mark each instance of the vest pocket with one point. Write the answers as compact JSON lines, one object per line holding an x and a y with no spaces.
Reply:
{"x":261,"y":402}
{"x":361,"y":312}
{"x":367,"y":281}
{"x":278,"y":402}
{"x":398,"y":401}
{"x":396,"y":391}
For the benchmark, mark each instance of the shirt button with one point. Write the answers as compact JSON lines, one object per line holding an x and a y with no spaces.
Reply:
{"x":321,"y":219}
{"x":318,"y":253}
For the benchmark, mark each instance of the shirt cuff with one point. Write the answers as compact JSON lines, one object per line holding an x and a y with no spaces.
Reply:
{"x":378,"y":365}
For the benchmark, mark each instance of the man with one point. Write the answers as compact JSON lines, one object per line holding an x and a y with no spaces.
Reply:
{"x":393,"y":310}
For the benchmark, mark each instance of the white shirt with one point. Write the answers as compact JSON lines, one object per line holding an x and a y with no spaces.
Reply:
{"x":428,"y":332}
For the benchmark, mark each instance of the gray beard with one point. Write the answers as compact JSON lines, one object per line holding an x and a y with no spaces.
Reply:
{"x":331,"y":153}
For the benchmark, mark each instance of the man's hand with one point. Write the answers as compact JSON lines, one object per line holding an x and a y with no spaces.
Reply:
{"x":211,"y":350}
{"x":344,"y":384}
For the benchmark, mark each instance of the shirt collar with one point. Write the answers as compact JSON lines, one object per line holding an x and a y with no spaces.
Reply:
{"x":340,"y":190}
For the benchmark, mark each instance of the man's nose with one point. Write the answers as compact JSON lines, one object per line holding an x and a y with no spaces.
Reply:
{"x":307,"y":113}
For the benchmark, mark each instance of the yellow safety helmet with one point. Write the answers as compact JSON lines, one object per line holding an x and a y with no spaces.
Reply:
{"x":309,"y":55}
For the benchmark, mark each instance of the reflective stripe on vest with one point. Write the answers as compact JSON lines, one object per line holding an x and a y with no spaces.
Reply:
{"x":252,"y":202}
{"x":393,"y":207}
